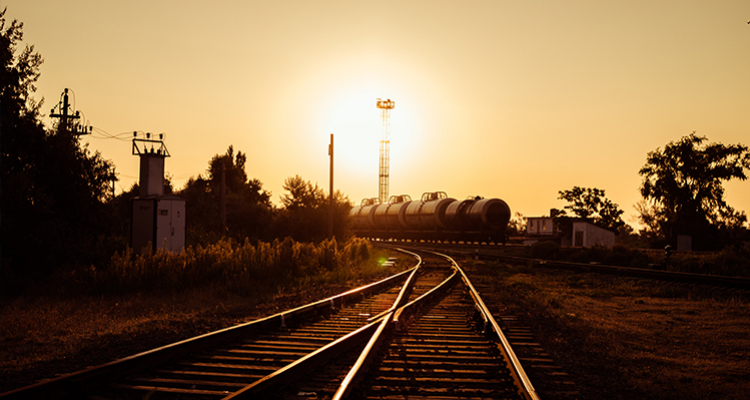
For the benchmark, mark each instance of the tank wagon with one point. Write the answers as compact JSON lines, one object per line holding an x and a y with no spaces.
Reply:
{"x":434,"y":217}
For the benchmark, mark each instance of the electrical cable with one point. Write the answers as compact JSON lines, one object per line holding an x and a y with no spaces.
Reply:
{"x":123,"y":136}
{"x":74,"y":99}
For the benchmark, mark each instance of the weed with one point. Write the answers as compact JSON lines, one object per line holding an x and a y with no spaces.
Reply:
{"x":523,"y":287}
{"x":577,"y":282}
{"x":667,"y":291}
{"x":545,"y":250}
{"x":553,"y":302}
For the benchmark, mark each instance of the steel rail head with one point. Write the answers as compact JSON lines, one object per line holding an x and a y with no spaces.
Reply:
{"x":415,"y":255}
{"x":406,"y":288}
{"x":364,"y":360}
{"x":363,"y":289}
{"x":389,"y":322}
{"x":526,"y":389}
{"x":320,"y":356}
{"x":424,"y":297}
{"x":403,"y":295}
{"x":304,"y":365}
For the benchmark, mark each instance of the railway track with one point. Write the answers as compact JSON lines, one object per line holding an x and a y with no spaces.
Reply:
{"x":439,"y":353}
{"x":422,"y":334}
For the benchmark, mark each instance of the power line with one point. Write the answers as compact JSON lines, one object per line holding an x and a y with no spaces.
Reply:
{"x":123,"y":136}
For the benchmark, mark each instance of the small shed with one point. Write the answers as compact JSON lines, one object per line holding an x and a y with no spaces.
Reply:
{"x":586,"y":234}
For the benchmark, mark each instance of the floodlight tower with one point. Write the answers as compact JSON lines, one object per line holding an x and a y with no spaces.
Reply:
{"x":385,"y":107}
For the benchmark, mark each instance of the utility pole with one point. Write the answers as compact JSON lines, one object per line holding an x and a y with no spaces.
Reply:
{"x":330,"y":191}
{"x":63,"y":126}
{"x":114,"y":179}
{"x":223,"y":198}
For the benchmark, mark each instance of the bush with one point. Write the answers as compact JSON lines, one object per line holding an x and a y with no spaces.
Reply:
{"x":237,"y":267}
{"x":545,"y":250}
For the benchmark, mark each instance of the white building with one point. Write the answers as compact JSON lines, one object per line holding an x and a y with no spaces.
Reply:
{"x":583,"y":234}
{"x":586,"y":234}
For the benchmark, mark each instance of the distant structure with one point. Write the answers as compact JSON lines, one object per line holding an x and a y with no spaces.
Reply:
{"x":69,"y":121}
{"x":158,"y":220}
{"x":582,"y":234}
{"x":385,"y":107}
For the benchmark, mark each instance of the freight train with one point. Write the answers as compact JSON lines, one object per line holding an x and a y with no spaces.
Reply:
{"x":435,"y":217}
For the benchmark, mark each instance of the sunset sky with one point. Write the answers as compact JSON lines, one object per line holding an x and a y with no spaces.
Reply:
{"x":510,"y":99}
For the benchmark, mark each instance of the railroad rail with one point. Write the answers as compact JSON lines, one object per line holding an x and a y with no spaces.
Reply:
{"x":423,"y":332}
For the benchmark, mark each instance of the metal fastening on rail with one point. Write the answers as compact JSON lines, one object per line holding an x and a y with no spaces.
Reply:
{"x":283,"y":323}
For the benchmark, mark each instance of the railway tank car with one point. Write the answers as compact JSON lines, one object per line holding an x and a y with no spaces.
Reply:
{"x":428,"y":214}
{"x":435,"y":217}
{"x":391,"y":216}
{"x":361,"y":217}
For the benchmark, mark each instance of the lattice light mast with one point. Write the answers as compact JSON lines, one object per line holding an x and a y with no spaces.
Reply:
{"x":385,"y":107}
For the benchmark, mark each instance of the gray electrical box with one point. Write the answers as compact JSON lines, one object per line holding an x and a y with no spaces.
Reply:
{"x":158,"y":222}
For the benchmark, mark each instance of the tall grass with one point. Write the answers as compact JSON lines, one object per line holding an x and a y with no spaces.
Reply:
{"x":237,"y":267}
{"x":730,"y":261}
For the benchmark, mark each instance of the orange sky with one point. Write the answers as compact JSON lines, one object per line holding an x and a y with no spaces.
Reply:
{"x":508,"y":99}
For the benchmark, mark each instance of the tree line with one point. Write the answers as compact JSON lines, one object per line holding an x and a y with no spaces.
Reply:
{"x":683,"y":194}
{"x":56,"y":207}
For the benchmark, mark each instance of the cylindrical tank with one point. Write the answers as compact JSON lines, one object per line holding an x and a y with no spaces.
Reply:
{"x":428,"y":213}
{"x":354,"y":217}
{"x":490,"y":214}
{"x":455,"y":214}
{"x":389,"y":217}
{"x":362,"y":215}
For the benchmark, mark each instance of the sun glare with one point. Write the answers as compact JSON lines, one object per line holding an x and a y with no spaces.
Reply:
{"x":356,"y":123}
{"x":348,"y":111}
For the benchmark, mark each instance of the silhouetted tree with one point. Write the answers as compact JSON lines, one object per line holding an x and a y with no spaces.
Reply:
{"x":52,"y":187}
{"x":683,"y":192}
{"x":305,"y":212}
{"x":592,"y":205}
{"x":516,"y":225}
{"x":249,"y":212}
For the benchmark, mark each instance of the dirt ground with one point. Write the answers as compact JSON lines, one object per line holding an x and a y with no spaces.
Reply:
{"x":618,"y":338}
{"x":624,"y":338}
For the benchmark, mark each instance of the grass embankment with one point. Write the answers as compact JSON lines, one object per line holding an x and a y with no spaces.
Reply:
{"x":140,"y":302}
{"x":622,"y":338}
